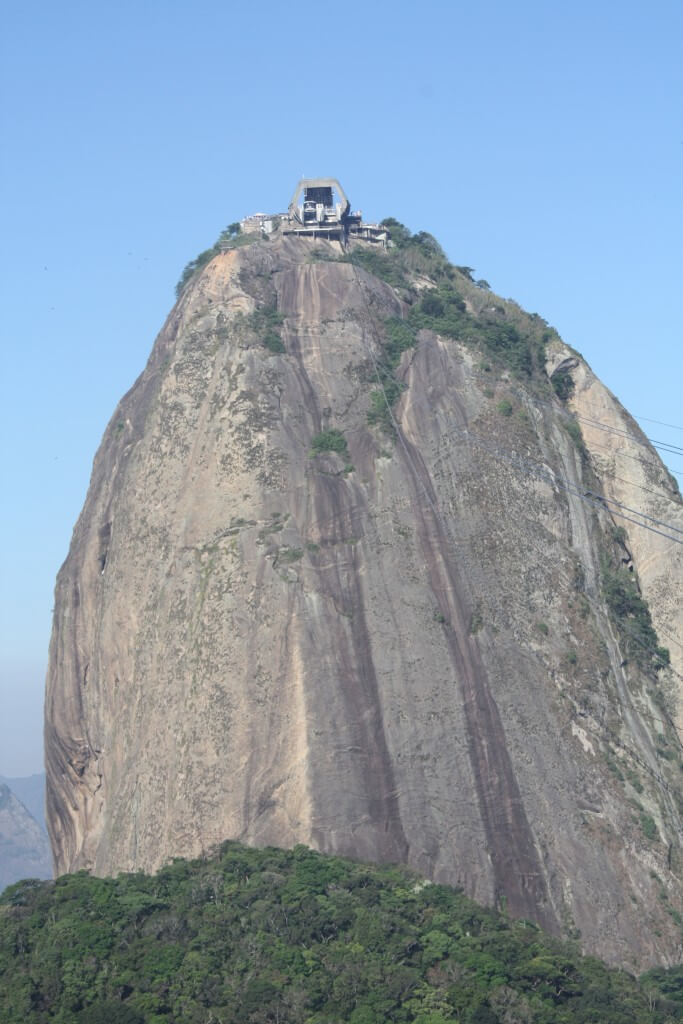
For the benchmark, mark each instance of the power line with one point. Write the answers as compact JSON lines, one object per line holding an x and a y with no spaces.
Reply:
{"x":612,"y":476}
{"x":663,"y":663}
{"x":632,"y":483}
{"x":669,"y":526}
{"x":597,"y":501}
{"x":668,"y":449}
{"x":671,"y":449}
{"x":658,"y":422}
{"x":354,"y":515}
{"x":620,"y":453}
{"x":544,"y":471}
{"x":671,"y":638}
{"x":597,"y":504}
{"x":653,"y":650}
{"x":399,"y":433}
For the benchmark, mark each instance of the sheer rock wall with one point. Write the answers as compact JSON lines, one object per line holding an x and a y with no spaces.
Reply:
{"x":401,"y":656}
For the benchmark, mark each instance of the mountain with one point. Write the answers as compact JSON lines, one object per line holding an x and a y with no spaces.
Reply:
{"x":256,"y":936}
{"x":359,"y":568}
{"x":24,"y":848}
{"x":30,"y":789}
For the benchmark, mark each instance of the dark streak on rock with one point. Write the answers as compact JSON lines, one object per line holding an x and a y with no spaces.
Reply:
{"x":518,"y":873}
{"x":334,"y":502}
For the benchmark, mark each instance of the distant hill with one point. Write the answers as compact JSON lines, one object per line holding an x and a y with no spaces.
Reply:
{"x":30,"y":789}
{"x":24,"y":847}
{"x":257,"y":936}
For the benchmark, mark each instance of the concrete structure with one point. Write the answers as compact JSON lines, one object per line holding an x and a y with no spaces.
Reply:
{"x":320,"y":216}
{"x":319,"y":208}
{"x":263,"y":223}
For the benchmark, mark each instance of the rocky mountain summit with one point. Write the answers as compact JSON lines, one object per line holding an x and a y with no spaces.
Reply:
{"x":371,"y":561}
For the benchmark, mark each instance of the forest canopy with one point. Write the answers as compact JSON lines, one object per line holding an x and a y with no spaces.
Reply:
{"x":294,"y":936}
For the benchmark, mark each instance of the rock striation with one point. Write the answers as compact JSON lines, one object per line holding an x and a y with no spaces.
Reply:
{"x":285,"y":619}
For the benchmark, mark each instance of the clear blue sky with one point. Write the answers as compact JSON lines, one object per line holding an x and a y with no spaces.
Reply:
{"x":540,"y":142}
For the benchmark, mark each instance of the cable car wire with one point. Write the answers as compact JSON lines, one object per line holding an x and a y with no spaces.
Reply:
{"x":659,"y":423}
{"x":399,"y":434}
{"x":595,"y":500}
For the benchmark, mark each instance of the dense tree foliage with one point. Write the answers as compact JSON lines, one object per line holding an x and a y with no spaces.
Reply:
{"x":563,"y":384}
{"x":632,"y":615}
{"x":274,"y":936}
{"x":266,"y":323}
{"x":331,"y":440}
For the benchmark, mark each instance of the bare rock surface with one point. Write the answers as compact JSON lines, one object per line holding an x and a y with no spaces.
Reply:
{"x":640,"y":490}
{"x":399,"y":652}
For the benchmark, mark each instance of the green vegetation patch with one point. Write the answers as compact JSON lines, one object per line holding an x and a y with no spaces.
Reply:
{"x":288,"y":555}
{"x":518,"y":347}
{"x":380,"y":264}
{"x":442,"y":308}
{"x":193,"y":267}
{"x":574,"y":430}
{"x":260,"y":936}
{"x":571,"y":657}
{"x":230,"y":237}
{"x":613,"y":766}
{"x":631,"y":614}
{"x":647,"y":824}
{"x":563,"y":384}
{"x":476,"y":622}
{"x":398,"y":336}
{"x":331,"y":440}
{"x":267,"y":323}
{"x":408,"y":255}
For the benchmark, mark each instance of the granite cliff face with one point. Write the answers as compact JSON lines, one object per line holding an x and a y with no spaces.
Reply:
{"x":282,"y":623}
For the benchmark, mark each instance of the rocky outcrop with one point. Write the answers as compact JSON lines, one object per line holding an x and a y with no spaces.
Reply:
{"x":397,"y":650}
{"x":30,"y":790}
{"x":639,"y":491}
{"x":24,"y":848}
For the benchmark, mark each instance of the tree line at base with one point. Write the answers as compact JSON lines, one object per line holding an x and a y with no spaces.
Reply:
{"x":294,"y":936}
